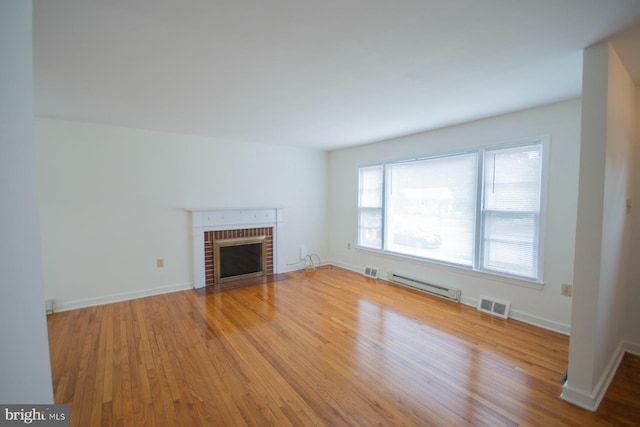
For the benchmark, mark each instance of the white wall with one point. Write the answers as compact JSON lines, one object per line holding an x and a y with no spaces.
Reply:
{"x":25,"y":372}
{"x":603,"y":243}
{"x":632,"y":332}
{"x":113,"y":201}
{"x":545,"y":307}
{"x":616,"y":231}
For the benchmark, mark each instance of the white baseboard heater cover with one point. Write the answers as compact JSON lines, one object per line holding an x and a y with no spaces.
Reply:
{"x":430,"y":288}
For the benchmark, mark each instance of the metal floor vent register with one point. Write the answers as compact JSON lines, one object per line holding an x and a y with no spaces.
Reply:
{"x":421,"y":285}
{"x":371,"y":272}
{"x":494,"y":306}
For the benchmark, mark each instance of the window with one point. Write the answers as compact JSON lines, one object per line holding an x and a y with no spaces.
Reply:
{"x":370,"y":207}
{"x":431,"y":208}
{"x":477,"y":210}
{"x":511,"y":210}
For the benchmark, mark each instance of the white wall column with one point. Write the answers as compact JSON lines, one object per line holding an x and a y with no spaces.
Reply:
{"x":25,"y":371}
{"x":603,"y":246}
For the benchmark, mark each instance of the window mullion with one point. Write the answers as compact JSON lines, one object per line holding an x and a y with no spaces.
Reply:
{"x":383,"y":237}
{"x":479,"y":225}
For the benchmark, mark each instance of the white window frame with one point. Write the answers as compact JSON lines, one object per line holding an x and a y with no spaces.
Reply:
{"x":544,"y":142}
{"x":362,"y":208}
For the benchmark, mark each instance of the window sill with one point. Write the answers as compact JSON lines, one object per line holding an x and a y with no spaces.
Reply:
{"x":509,"y":280}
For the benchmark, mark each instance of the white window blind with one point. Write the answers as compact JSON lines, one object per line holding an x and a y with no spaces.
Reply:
{"x":370,"y":207}
{"x":435,"y":209}
{"x":511,"y":210}
{"x":431,"y":208}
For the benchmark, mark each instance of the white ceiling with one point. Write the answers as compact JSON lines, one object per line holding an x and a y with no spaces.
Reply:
{"x":323,"y":74}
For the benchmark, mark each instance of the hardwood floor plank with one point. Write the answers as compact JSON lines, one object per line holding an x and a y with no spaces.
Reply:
{"x":330,"y":348}
{"x":101,"y":350}
{"x":621,"y":404}
{"x":127,"y":354}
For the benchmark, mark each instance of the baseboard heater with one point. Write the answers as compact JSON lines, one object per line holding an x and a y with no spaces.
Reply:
{"x":437,"y":290}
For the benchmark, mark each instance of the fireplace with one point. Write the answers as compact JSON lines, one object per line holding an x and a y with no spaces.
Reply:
{"x":235,"y":244}
{"x":240,"y":258}
{"x":237,"y":254}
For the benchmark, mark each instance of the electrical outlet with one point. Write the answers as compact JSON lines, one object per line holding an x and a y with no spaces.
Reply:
{"x":160,"y":263}
{"x":348,"y":246}
{"x":566,"y":289}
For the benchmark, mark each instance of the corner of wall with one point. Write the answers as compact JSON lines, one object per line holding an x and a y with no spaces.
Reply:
{"x":591,"y":400}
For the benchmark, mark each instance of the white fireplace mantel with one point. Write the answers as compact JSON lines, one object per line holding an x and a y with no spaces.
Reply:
{"x":204,"y":220}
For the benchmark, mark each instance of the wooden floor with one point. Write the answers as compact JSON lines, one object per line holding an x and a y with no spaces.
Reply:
{"x":329,"y":348}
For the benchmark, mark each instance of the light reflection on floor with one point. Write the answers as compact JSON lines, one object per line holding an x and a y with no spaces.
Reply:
{"x":392,"y":348}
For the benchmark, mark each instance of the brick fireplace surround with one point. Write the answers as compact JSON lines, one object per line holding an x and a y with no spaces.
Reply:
{"x":209,"y":225}
{"x":210,"y":238}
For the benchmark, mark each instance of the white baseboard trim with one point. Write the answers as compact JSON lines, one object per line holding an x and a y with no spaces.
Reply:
{"x":527,"y":318}
{"x":531,"y":319}
{"x":540,"y":322}
{"x":578,"y":397}
{"x":632,"y":348}
{"x":591,"y":400}
{"x":125,"y":296}
{"x":353,"y":268}
{"x":299,"y":266}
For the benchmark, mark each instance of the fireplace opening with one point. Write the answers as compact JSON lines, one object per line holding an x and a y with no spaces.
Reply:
{"x":240,"y":258}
